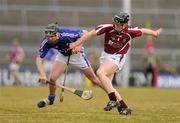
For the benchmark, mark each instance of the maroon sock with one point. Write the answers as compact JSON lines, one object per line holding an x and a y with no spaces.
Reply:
{"x":112,"y":96}
{"x":123,"y":104}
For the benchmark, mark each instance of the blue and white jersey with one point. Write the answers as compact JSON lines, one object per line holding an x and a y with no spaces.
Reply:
{"x":65,"y":36}
{"x":50,"y":56}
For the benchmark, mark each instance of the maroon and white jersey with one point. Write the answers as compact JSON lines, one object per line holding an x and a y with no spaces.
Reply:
{"x":117,"y":42}
{"x":15,"y":52}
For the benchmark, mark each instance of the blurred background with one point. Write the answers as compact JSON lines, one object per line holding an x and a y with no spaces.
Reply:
{"x":24,"y":21}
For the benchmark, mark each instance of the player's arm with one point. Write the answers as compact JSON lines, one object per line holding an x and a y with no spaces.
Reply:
{"x":155,"y":33}
{"x":39,"y":62}
{"x":41,"y":70}
{"x":86,"y":36}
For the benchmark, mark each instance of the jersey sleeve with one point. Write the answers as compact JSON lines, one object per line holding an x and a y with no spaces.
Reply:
{"x":103,"y":28}
{"x":43,"y":49}
{"x":135,"y":31}
{"x":71,"y":35}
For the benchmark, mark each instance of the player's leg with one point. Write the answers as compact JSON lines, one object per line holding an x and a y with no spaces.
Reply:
{"x":80,"y":61}
{"x":59,"y":66}
{"x":122,"y":108}
{"x":83,"y":63}
{"x":14,"y":71}
{"x":105,"y":73}
{"x":107,"y":68}
{"x":89,"y":73}
{"x":16,"y":77}
{"x":111,"y":63}
{"x":118,"y":96}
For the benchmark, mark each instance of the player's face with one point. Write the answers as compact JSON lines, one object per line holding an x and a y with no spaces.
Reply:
{"x":119,"y":26}
{"x":52,"y":38}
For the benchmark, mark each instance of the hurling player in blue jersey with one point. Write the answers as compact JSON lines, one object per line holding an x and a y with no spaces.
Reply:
{"x":59,"y":39}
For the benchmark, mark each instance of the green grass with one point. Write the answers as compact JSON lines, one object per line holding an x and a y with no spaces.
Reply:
{"x":18,"y":105}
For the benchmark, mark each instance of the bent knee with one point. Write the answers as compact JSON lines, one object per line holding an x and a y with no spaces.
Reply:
{"x":100,"y":73}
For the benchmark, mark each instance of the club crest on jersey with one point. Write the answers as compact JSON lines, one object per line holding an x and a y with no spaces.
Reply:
{"x":117,"y":44}
{"x":69,"y":34}
{"x":110,"y":42}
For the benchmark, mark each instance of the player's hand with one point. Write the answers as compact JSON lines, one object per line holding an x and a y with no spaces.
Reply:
{"x":158,"y":32}
{"x":43,"y":80}
{"x":72,"y":45}
{"x":76,"y":49}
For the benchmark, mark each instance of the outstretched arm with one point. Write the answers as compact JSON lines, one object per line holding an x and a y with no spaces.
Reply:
{"x":86,"y":36}
{"x":155,"y":33}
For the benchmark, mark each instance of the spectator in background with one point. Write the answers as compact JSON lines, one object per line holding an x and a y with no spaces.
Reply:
{"x":15,"y":56}
{"x":151,"y":61}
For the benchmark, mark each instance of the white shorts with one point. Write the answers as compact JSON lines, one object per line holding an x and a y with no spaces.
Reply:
{"x":14,"y":66}
{"x":78,"y":60}
{"x":118,"y":59}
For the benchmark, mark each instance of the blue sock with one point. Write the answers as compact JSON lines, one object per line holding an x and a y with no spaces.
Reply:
{"x":51,"y":98}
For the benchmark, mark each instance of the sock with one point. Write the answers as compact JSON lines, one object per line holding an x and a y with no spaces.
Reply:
{"x":123,"y":104}
{"x":51,"y":98}
{"x":112,"y":96}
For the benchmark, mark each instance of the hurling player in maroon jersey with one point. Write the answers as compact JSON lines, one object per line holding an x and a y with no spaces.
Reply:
{"x":117,"y":37}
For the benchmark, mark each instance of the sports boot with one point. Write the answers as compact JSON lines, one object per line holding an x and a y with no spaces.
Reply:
{"x":111,"y":104}
{"x":124,"y":111}
{"x":44,"y":102}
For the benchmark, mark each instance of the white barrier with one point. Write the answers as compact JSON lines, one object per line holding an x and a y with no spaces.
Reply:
{"x":169,"y":81}
{"x":75,"y":78}
{"x":30,"y":78}
{"x":164,"y":80}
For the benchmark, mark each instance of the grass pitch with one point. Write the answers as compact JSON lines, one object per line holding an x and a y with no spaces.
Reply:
{"x":150,"y":105}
